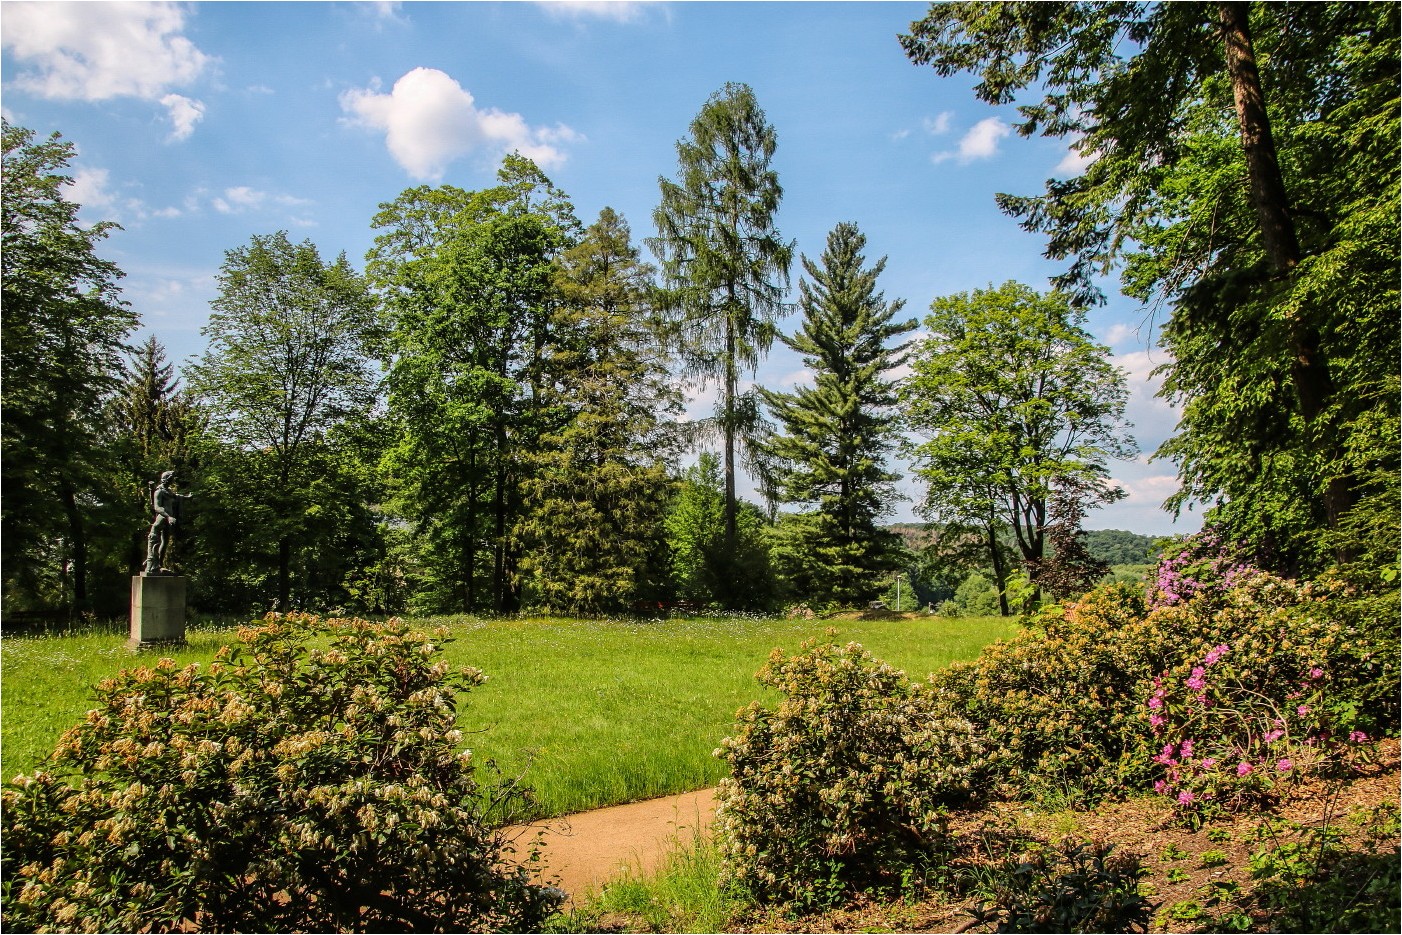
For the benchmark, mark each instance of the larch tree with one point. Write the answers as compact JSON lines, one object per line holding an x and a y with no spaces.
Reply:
{"x":61,"y":351}
{"x":723,"y":261}
{"x":596,"y":489}
{"x":834,"y":437}
{"x":1242,"y":170}
{"x":1017,"y":405}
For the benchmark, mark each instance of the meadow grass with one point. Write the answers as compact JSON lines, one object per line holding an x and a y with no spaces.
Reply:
{"x":588,"y":712}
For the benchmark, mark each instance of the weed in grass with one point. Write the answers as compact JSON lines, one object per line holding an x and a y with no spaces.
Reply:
{"x":1177,"y":875}
{"x":683,"y":895}
{"x":1219,"y":835}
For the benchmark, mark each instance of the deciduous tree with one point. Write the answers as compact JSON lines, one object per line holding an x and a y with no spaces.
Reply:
{"x":63,"y":328}
{"x":1244,"y":173}
{"x":285,"y":366}
{"x":1016,"y":402}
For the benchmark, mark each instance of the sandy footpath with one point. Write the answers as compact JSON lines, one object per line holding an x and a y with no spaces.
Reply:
{"x":583,"y":851}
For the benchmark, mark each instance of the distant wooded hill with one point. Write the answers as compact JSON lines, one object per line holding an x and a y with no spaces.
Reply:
{"x":1112,"y":546}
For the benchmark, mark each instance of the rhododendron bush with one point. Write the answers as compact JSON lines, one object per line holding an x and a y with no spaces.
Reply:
{"x":307,"y":780}
{"x":1218,"y":688}
{"x":843,"y":786}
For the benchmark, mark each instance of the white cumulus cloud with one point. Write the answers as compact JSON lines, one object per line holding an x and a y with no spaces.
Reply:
{"x":1075,"y":162}
{"x":98,"y":51}
{"x":981,"y":142}
{"x":430,"y":121}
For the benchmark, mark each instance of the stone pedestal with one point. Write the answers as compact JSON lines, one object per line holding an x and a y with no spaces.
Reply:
{"x":157,"y":611}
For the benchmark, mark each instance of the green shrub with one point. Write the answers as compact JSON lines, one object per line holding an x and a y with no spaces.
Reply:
{"x":843,"y":786}
{"x":1074,"y":887}
{"x":305,"y":781}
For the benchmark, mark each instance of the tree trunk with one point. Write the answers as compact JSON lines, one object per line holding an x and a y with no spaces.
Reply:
{"x":732,"y":535}
{"x":284,"y":574}
{"x":1309,"y":370}
{"x":1262,"y":165}
{"x":78,"y":543}
{"x":1000,"y":573}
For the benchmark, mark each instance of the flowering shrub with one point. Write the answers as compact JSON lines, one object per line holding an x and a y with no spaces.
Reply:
{"x":843,"y":786}
{"x":1201,"y":564}
{"x":306,"y":781}
{"x":1059,"y":702}
{"x":1293,"y":687}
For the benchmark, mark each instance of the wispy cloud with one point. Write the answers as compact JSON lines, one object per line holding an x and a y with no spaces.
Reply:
{"x":99,"y":51}
{"x":618,"y":11}
{"x":430,"y":121}
{"x":981,"y":142}
{"x":938,"y":124}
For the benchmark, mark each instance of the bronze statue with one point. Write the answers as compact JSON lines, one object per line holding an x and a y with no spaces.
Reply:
{"x":166,"y":503}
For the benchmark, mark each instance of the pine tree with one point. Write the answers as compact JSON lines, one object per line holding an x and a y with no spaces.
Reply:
{"x":723,"y":260}
{"x":835,"y":435}
{"x":596,"y":487}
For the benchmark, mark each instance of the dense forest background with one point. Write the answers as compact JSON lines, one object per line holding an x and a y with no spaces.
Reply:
{"x":486,"y":417}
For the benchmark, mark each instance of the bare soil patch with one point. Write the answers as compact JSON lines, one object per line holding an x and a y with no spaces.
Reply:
{"x":585,"y":850}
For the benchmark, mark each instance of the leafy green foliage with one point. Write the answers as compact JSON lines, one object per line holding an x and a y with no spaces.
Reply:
{"x":1283,"y":334}
{"x":467,"y":284}
{"x":306,"y":780}
{"x":1311,"y":879}
{"x":285,"y":368}
{"x":843,"y":786}
{"x":63,"y":327}
{"x":1073,"y":887}
{"x":834,"y":436}
{"x":706,"y":570}
{"x":1019,"y":408}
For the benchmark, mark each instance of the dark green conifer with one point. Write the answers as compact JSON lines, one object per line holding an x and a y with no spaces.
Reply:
{"x":835,"y":435}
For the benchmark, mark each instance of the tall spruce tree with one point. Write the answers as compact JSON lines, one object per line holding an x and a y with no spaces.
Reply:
{"x":723,"y":260}
{"x":836,"y":434}
{"x":596,"y":490}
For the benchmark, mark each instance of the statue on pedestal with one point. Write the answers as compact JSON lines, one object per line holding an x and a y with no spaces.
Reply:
{"x":166,"y":504}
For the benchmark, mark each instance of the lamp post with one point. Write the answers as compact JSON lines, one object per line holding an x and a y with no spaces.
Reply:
{"x":899,"y":576}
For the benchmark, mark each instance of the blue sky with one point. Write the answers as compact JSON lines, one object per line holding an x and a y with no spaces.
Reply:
{"x":199,"y":125}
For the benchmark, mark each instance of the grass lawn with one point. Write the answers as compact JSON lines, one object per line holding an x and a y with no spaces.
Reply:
{"x":591,"y":712}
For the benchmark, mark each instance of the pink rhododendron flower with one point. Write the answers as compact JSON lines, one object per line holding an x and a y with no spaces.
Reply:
{"x":1243,"y":769}
{"x":1316,"y":673}
{"x":1284,"y":766}
{"x":1185,"y":797}
{"x":1217,"y":653}
{"x":1357,"y":736}
{"x":1156,"y":702}
{"x":1197,"y":682}
{"x":1187,"y":748}
{"x":1207,"y":762}
{"x":1302,"y":710}
{"x":1273,"y":736}
{"x":1160,"y":786}
{"x":1156,"y":720}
